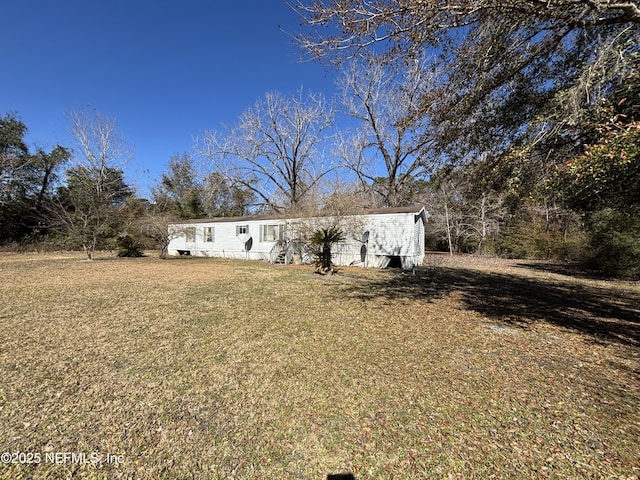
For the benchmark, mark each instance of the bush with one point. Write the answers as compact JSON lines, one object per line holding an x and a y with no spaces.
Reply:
{"x":544,"y":234}
{"x":534,"y":242}
{"x":129,"y":246}
{"x":615,"y":242}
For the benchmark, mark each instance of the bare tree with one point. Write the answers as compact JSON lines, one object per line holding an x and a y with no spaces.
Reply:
{"x":161,"y":227}
{"x":447,"y":221}
{"x":95,"y":184}
{"x":464,"y":214}
{"x":275,"y":151}
{"x":393,"y":127}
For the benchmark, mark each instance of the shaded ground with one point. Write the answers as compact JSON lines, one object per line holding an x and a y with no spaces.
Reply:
{"x":605,"y":312}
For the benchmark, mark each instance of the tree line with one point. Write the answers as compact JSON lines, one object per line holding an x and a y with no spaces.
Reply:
{"x":515,"y":123}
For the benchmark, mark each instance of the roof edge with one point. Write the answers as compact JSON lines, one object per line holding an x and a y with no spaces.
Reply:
{"x":414,"y":209}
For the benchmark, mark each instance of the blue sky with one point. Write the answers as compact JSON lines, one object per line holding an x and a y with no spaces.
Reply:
{"x":165,"y":70}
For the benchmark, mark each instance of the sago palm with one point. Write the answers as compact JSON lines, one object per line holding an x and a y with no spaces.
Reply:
{"x":324,"y":239}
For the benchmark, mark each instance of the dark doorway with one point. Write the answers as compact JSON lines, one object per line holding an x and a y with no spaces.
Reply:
{"x":395,"y":261}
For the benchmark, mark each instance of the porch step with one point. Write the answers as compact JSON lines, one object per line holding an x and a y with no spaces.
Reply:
{"x":281,"y":256}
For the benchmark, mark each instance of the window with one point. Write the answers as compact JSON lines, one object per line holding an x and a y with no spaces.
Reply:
{"x":242,"y":229}
{"x":190,"y":232}
{"x":208,"y":234}
{"x":271,"y":233}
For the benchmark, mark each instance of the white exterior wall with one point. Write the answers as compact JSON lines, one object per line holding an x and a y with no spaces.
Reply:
{"x":395,"y":236}
{"x":225,"y":241}
{"x":390,"y":235}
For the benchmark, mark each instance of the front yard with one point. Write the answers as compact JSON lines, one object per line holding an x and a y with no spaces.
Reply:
{"x":209,"y":368}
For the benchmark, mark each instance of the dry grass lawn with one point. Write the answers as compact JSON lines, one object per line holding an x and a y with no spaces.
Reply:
{"x":212,"y":369}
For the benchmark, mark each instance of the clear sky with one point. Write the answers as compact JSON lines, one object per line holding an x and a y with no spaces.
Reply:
{"x":164,"y":70}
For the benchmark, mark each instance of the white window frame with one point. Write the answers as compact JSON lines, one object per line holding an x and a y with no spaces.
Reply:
{"x":209,"y":234}
{"x":271,"y":232}
{"x":242,"y":230}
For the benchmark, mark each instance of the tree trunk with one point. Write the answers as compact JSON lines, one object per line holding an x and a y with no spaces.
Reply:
{"x":88,"y":250}
{"x":446,"y":214}
{"x":483,"y":223}
{"x":326,"y":258}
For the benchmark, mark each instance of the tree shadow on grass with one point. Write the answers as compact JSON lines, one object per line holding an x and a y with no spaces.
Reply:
{"x":604,"y":314}
{"x":563,"y":268}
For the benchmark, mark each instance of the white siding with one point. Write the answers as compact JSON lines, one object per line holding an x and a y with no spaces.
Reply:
{"x":391,"y":235}
{"x":225,"y":241}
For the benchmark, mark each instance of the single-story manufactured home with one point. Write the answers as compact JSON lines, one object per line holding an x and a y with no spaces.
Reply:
{"x":376,"y":238}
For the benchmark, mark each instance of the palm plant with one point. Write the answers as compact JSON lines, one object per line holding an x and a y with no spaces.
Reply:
{"x":324,"y":239}
{"x":129,"y":245}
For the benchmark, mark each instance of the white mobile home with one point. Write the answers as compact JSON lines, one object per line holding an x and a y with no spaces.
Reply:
{"x":375,"y":238}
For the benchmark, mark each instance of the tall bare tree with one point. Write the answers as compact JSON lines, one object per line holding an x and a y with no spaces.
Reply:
{"x":161,"y":226}
{"x":95,"y":184}
{"x":275,"y":151}
{"x":393,"y":126}
{"x":466,"y":213}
